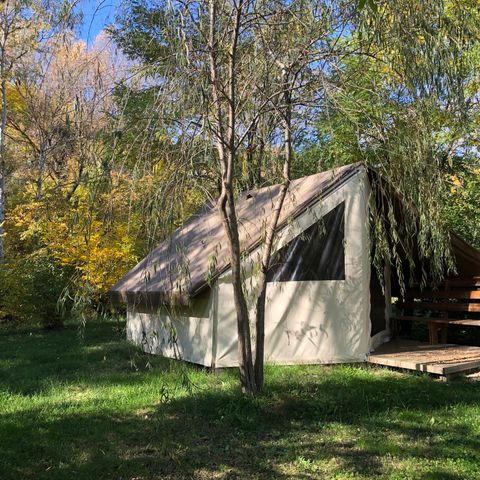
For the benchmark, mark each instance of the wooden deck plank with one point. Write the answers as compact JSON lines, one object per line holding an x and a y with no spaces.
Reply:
{"x":458,"y":282}
{"x":463,"y":283}
{"x":444,"y":307}
{"x":459,"y":294}
{"x":449,"y":321}
{"x":442,"y":360}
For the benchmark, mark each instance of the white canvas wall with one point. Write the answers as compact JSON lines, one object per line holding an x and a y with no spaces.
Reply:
{"x":185,"y":333}
{"x":313,"y":322}
{"x":306,"y":322}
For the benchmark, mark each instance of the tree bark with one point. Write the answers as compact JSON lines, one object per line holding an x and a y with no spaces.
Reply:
{"x":3,"y":126}
{"x":224,"y":131}
{"x":252,"y":178}
{"x":40,"y":172}
{"x":244,"y":344}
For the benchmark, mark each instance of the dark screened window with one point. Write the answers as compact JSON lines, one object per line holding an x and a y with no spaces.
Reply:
{"x":317,"y":254}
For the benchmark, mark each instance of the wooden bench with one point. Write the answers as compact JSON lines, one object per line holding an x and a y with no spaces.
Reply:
{"x":460,"y":295}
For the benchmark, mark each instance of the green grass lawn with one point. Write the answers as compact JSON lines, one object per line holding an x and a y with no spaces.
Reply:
{"x":96,"y":408}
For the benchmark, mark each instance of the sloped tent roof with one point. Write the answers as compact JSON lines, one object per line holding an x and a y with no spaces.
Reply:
{"x":180,"y":266}
{"x":196,"y":253}
{"x":467,"y":257}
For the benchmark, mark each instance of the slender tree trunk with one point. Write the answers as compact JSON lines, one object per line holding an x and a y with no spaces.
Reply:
{"x":40,"y":172}
{"x":244,"y":343}
{"x":225,"y":142}
{"x":271,"y":228}
{"x":2,"y":158}
{"x":252,"y":181}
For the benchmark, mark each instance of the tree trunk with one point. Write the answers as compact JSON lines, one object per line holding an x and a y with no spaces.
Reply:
{"x":225,"y":142}
{"x":2,"y":163}
{"x":252,"y":180}
{"x":244,"y":343}
{"x":40,"y":172}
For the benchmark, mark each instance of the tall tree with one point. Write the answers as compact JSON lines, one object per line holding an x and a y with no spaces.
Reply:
{"x":244,"y":62}
{"x":65,"y":95}
{"x":24,"y":25}
{"x":222,"y":68}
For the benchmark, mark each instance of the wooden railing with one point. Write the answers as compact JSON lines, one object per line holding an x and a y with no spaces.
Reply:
{"x":460,"y":296}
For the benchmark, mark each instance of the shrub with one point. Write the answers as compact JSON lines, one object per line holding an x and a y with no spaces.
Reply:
{"x":30,"y":287}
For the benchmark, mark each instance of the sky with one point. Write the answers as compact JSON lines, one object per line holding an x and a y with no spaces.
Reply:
{"x":97,"y":14}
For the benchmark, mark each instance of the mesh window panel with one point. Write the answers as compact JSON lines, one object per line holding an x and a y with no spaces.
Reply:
{"x":317,"y":254}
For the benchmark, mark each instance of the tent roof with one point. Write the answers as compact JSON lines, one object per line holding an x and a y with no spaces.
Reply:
{"x":196,"y":253}
{"x":467,"y":258}
{"x":181,"y":266}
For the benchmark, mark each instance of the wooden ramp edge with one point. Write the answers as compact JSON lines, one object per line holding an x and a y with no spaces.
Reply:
{"x":444,"y":360}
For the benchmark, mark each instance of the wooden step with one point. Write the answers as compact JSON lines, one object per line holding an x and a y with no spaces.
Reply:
{"x":441,"y":307}
{"x":463,"y":282}
{"x":412,"y":318}
{"x":473,"y":277}
{"x":456,"y":294}
{"x":457,"y":282}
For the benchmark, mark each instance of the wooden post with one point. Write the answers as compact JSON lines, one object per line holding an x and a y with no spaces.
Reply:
{"x":388,"y":300}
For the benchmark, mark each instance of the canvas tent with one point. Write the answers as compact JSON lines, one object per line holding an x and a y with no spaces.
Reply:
{"x":323,"y":303}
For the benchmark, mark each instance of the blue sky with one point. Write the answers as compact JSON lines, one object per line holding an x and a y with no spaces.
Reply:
{"x":97,"y":14}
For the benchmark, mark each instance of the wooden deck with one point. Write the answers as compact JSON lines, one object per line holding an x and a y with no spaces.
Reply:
{"x":446,"y":360}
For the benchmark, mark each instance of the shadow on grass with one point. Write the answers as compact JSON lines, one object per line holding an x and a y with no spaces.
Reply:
{"x":211,"y":432}
{"x":307,"y":424}
{"x":33,"y":361}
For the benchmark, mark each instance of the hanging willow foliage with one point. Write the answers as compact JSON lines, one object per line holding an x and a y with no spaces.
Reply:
{"x":424,"y":49}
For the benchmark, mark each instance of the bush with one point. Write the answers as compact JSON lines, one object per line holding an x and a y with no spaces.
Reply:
{"x":30,"y":287}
